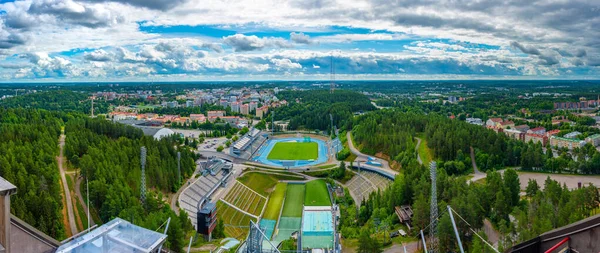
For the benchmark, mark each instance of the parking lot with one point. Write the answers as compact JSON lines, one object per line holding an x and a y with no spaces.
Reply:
{"x":212,"y":144}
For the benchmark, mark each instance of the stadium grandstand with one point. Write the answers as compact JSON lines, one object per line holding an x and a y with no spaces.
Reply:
{"x":246,"y":146}
{"x":215,"y":173}
{"x":364,"y":183}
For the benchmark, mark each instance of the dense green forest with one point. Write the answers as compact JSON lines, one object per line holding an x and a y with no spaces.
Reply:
{"x":496,"y":199}
{"x":109,"y":155}
{"x":56,"y":100}
{"x":28,"y":153}
{"x":310,"y":109}
{"x":392,"y":132}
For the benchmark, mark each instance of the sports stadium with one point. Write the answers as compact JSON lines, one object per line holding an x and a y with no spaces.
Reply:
{"x":285,"y":151}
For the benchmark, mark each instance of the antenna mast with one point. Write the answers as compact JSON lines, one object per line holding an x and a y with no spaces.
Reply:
{"x":143,"y":184}
{"x":179,"y":167}
{"x":332,"y":75}
{"x":93,"y":97}
{"x":434,"y":208}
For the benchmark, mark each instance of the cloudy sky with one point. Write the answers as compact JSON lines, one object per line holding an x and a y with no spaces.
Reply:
{"x":91,"y":40}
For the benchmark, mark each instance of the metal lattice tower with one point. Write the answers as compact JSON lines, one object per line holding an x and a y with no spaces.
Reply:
{"x":143,"y":184}
{"x":179,"y":166}
{"x":434,"y":209}
{"x":93,"y":97}
{"x":273,"y":122}
{"x":332,"y":75}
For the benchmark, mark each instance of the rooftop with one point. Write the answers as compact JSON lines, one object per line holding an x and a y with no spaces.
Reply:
{"x":117,"y":235}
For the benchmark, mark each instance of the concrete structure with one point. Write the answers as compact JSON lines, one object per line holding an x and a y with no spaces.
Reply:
{"x":156,"y":132}
{"x":15,"y":234}
{"x":593,"y":139}
{"x":189,"y":103}
{"x":581,"y":236}
{"x":562,"y":142}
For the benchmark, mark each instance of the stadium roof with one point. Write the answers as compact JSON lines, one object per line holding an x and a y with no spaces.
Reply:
{"x":117,"y":235}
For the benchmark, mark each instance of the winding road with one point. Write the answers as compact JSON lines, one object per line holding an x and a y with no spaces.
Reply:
{"x":61,"y":159}
{"x":417,"y":150}
{"x":385,"y":166}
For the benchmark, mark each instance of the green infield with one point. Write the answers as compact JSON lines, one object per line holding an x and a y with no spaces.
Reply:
{"x":264,"y":183}
{"x":294,"y":151}
{"x":294,"y":198}
{"x":275,"y":202}
{"x":316,"y":194}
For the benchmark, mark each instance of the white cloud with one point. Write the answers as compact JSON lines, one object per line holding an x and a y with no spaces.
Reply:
{"x":285,"y":64}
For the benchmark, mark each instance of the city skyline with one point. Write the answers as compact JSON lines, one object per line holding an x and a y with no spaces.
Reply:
{"x":103,"y":40}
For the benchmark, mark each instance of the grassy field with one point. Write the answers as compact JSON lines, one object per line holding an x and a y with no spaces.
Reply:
{"x":275,"y":202}
{"x":424,"y":151}
{"x":294,"y":151}
{"x":316,"y":194}
{"x":236,"y":222}
{"x":245,"y":199}
{"x":294,"y":198}
{"x":263,"y":183}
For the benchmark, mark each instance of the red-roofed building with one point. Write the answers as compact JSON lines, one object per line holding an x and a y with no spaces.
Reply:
{"x":491,"y":122}
{"x":537,"y":130}
{"x":536,"y":138}
{"x":552,"y":133}
{"x":506,"y":124}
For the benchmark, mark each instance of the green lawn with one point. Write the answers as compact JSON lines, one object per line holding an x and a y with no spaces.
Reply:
{"x":294,"y":198}
{"x":263,"y":183}
{"x":317,"y":194}
{"x":275,"y":202}
{"x":294,"y":151}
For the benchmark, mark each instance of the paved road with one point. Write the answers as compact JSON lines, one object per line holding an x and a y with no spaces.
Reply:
{"x":417,"y":150}
{"x":82,"y":200}
{"x":63,"y":178}
{"x":385,"y":168}
{"x":477,"y":175}
{"x":411,"y":247}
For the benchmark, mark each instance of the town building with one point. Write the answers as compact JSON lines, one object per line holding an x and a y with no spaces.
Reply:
{"x":514,"y":134}
{"x":536,"y":138}
{"x":172,"y":104}
{"x":252,"y":106}
{"x":215,"y":113}
{"x":537,"y":130}
{"x":522,"y":128}
{"x":245,"y":109}
{"x":506,"y":124}
{"x":572,"y":135}
{"x":492,"y":122}
{"x":235,"y":107}
{"x":189,"y":103}
{"x":200,"y":118}
{"x":474,"y":121}
{"x":552,"y":133}
{"x":593,"y":139}
{"x":261,"y":112}
{"x":562,"y":142}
